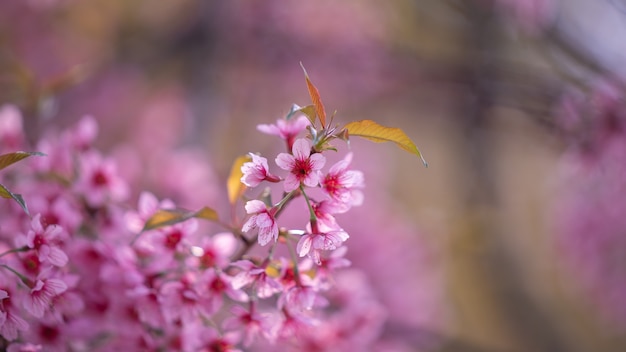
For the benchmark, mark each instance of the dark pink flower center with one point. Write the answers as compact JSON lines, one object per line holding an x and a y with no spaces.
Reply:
{"x":172,"y":239}
{"x":331,"y":184}
{"x":99,"y":179}
{"x":208,"y":259}
{"x":38,"y":241}
{"x":301,"y":168}
{"x":48,"y":333}
{"x":217,"y":285}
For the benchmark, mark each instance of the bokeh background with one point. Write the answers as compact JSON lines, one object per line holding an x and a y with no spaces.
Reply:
{"x":493,"y":247}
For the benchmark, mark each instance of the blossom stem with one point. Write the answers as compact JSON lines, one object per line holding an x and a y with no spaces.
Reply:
{"x":312,"y":216}
{"x":24,"y":279}
{"x":15,"y":250}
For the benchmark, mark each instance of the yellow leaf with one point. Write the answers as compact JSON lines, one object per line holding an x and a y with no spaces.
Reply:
{"x":207,"y":213}
{"x":233,"y":184}
{"x":12,"y":158}
{"x":371,"y":130}
{"x":315,"y":97}
{"x":167,"y":217}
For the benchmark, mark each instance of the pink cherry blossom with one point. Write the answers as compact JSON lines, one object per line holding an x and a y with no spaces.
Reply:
{"x":343,"y":185}
{"x":256,"y":171}
{"x":286,"y":129}
{"x":13,"y":323}
{"x":256,"y":276}
{"x":41,"y":296}
{"x":215,"y":251}
{"x":302,"y":166}
{"x":324,"y":211}
{"x":312,"y":243}
{"x":44,"y":242}
{"x":262,"y":219}
{"x":251,"y":322}
{"x":99,"y":181}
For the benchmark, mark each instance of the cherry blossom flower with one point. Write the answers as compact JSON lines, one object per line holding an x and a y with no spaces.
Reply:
{"x":256,"y":171}
{"x":181,"y":300}
{"x":286,"y":129}
{"x":265,"y":285}
{"x":41,"y":295}
{"x":13,"y":323}
{"x":98,"y":180}
{"x":263,"y":219}
{"x":312,"y":243}
{"x":302,"y":166}
{"x":214,"y":251}
{"x":324,"y":211}
{"x":343,"y":185}
{"x":251,"y":322}
{"x":44,"y":242}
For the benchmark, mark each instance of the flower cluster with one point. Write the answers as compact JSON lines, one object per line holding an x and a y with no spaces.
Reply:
{"x":81,"y":271}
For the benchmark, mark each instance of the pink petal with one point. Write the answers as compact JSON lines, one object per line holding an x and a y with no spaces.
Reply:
{"x":266,"y":234}
{"x":255,"y":206}
{"x":304,"y":245}
{"x":250,"y":224}
{"x":285,"y":161}
{"x":291,"y":183}
{"x":317,"y":161}
{"x":312,"y":179}
{"x":301,"y":149}
{"x":57,"y":257}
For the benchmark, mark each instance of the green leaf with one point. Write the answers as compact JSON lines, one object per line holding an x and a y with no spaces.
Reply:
{"x":233,"y":184}
{"x":315,"y":97}
{"x":371,"y":130}
{"x":167,"y":217}
{"x":12,"y":158}
{"x":5,"y":193}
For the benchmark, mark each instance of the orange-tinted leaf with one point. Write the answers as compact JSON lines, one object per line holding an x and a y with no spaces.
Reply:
{"x":233,"y":184}
{"x":315,"y":97}
{"x":371,"y":130}
{"x":12,"y":158}
{"x":5,"y":193}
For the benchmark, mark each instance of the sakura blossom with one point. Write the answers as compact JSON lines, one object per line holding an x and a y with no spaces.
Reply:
{"x":312,"y":244}
{"x":303,"y":166}
{"x":45,"y":242}
{"x":343,"y":185}
{"x":287,"y":129}
{"x":256,"y":171}
{"x":262,"y":219}
{"x":42,"y":294}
